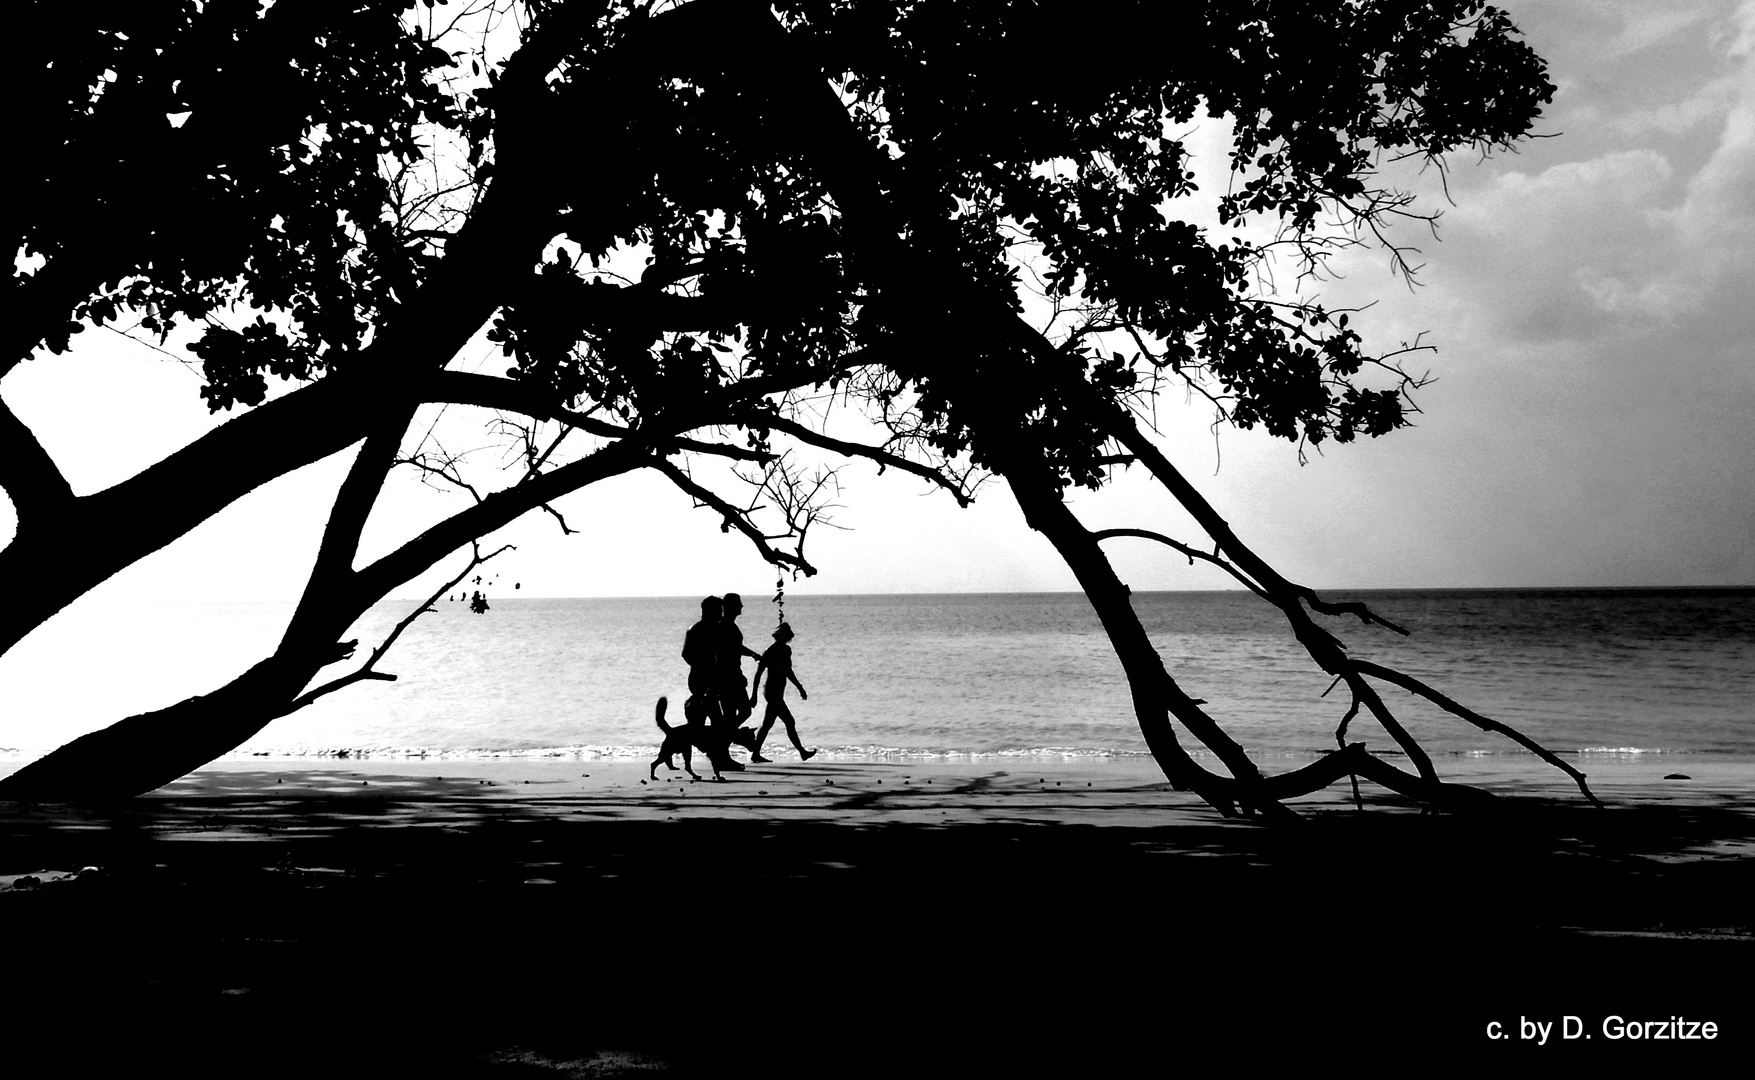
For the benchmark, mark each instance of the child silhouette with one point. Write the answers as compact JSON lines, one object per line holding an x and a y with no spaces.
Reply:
{"x":777,"y":662}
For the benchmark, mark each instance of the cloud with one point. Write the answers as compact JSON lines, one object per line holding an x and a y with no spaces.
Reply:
{"x":1589,"y":300}
{"x":1560,"y":253}
{"x":1673,"y":117}
{"x":1645,"y":25}
{"x":1654,"y":228}
{"x":1722,"y":194}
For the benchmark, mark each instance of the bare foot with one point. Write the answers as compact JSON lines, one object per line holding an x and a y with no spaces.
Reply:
{"x":806,"y":755}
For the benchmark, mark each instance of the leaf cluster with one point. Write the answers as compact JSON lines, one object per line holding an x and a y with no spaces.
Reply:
{"x":872,"y":245}
{"x":199,"y":158}
{"x":984,"y":132}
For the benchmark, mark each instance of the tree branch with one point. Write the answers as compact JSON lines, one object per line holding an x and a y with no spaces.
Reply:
{"x":493,"y":392}
{"x":1323,"y":647}
{"x":78,"y":547}
{"x":446,"y":471}
{"x":1415,"y":686}
{"x":495,"y":511}
{"x":884,"y":458}
{"x":29,"y":475}
{"x":733,"y":518}
{"x":333,"y":566}
{"x":365,"y":671}
{"x":1191,"y":553}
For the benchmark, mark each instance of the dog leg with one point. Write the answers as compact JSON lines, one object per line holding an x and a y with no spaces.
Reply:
{"x":712,"y":760}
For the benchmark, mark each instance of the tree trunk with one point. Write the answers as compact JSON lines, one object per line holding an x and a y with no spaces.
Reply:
{"x":149,"y":750}
{"x":1153,"y":689}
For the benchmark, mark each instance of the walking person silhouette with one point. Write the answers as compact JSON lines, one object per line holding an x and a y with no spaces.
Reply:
{"x":701,"y":647}
{"x":777,"y":662}
{"x":735,"y":705}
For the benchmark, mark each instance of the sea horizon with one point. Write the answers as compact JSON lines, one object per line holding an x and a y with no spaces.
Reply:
{"x":1634,"y":672}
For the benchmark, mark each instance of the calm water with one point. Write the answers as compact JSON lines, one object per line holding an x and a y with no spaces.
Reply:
{"x":1599,"y":672}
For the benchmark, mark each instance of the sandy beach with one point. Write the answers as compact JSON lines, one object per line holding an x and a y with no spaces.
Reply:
{"x":521,"y":917}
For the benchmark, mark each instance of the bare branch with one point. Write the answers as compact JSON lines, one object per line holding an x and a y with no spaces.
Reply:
{"x":1191,"y":553}
{"x":800,"y":501}
{"x":498,"y":509}
{"x":1415,"y":686}
{"x":366,"y":671}
{"x":535,"y":461}
{"x":1341,"y":739}
{"x":445,"y":469}
{"x":732,"y":517}
{"x":884,"y":458}
{"x":1351,"y":607}
{"x":566,"y":530}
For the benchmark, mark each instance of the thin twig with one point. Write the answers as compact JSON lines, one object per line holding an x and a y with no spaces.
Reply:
{"x":365,"y":671}
{"x":732,"y":517}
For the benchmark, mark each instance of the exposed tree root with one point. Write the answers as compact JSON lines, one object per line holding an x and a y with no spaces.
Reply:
{"x":1079,"y":547}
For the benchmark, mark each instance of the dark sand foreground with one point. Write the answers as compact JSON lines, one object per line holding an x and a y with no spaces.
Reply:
{"x":504,"y":919}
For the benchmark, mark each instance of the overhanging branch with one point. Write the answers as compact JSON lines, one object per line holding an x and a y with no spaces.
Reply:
{"x":495,"y":511}
{"x":28,"y":474}
{"x":884,"y":458}
{"x":1192,"y":553}
{"x":366,"y":671}
{"x":732,"y":517}
{"x":72,"y":550}
{"x":1415,"y":686}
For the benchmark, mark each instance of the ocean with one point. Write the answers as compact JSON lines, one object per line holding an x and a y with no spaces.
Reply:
{"x":1654,"y":675}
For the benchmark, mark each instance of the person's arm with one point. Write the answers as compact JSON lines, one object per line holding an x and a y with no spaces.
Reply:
{"x":757,"y":681}
{"x":803,"y":694}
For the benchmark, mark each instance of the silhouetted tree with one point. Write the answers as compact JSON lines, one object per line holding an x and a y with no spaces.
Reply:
{"x":679,"y":221}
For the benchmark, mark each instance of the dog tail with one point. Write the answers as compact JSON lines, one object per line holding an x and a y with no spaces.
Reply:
{"x":663,"y":704}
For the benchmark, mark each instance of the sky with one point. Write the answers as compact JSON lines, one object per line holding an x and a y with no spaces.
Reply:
{"x":1589,"y":297}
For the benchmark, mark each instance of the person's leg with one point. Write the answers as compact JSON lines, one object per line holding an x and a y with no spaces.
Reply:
{"x":791,"y":729}
{"x":767,"y":726}
{"x":736,"y":706}
{"x":716,"y":736}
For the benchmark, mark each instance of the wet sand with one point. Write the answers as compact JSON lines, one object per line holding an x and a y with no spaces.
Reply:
{"x":524,"y":918}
